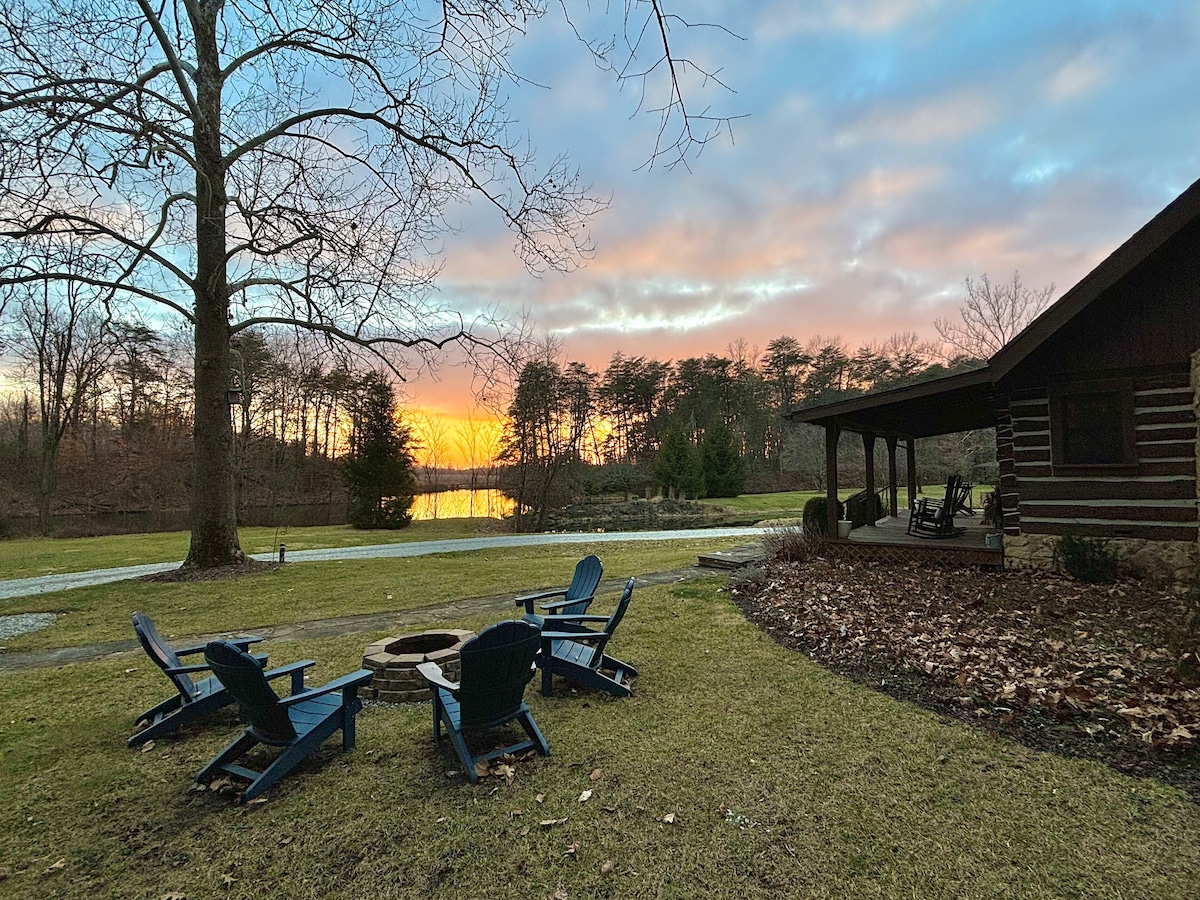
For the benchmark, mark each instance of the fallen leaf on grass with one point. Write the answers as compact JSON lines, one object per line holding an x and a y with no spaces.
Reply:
{"x":585,"y":796}
{"x":172,"y":896}
{"x":54,"y":867}
{"x":669,"y":818}
{"x":550,"y":823}
{"x":560,"y":893}
{"x":572,"y":848}
{"x":607,"y":866}
{"x":227,"y":879}
{"x":595,"y":774}
{"x":540,"y":797}
{"x":148,"y":746}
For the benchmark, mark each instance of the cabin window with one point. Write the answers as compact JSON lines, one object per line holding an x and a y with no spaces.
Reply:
{"x":1093,"y":427}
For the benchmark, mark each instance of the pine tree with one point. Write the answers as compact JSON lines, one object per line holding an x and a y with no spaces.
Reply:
{"x":678,"y":465}
{"x":721,"y":464}
{"x":379,"y":468}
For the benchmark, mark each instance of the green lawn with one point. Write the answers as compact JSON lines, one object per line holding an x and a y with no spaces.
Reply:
{"x":773,"y":505}
{"x":303,"y":591}
{"x":29,"y":557}
{"x":737,"y":770}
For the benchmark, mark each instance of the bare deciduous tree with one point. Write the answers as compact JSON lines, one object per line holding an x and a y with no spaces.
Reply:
{"x":247,"y":165}
{"x":992,"y":315}
{"x":63,"y":338}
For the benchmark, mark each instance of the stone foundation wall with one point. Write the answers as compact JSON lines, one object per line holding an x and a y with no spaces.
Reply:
{"x":1161,"y":560}
{"x":1196,"y":407}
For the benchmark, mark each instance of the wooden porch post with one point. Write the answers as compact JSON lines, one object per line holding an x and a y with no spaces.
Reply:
{"x":869,"y":450}
{"x":832,"y":433}
{"x":893,"y":488}
{"x":910,"y":447}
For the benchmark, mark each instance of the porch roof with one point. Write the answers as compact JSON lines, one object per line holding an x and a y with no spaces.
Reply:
{"x":941,"y":406}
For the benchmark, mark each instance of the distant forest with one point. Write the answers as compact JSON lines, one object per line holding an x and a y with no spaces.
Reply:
{"x":571,"y":432}
{"x":96,"y":417}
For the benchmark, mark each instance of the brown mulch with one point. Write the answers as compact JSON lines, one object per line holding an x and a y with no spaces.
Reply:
{"x":1077,"y":669}
{"x":216,"y":573}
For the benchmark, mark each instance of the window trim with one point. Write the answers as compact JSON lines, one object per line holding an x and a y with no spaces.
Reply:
{"x":1059,"y":394}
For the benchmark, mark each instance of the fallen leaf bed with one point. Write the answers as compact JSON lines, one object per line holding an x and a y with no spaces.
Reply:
{"x":1057,"y":664}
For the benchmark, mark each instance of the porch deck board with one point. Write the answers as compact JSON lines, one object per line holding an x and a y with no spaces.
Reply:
{"x":889,"y":541}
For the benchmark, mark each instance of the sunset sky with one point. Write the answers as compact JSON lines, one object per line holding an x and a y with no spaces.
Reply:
{"x":890,"y":149}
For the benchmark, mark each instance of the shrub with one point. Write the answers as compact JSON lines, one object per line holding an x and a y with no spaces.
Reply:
{"x":793,"y":543}
{"x":814,"y":517}
{"x":1086,"y":559}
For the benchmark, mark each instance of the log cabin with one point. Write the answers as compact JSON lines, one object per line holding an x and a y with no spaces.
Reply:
{"x":1095,"y":404}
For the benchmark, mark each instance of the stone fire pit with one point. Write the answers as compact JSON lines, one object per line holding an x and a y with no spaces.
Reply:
{"x":394,"y":661}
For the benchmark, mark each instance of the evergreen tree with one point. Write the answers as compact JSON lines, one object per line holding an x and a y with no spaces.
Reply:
{"x":678,"y":465}
{"x":379,"y":468}
{"x":721,"y":464}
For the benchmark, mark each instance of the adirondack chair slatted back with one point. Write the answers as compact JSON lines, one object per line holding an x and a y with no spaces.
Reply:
{"x":162,"y":654}
{"x":588,"y":572}
{"x":495,"y":666}
{"x":611,"y":625}
{"x":243,"y":677}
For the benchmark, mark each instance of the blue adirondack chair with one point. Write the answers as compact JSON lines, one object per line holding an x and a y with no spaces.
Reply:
{"x":570,"y":649}
{"x":495,"y":667}
{"x":576,"y":596}
{"x":193,"y":699}
{"x":298,"y":724}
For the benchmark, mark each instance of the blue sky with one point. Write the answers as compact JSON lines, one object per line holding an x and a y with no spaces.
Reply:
{"x":890,"y":148}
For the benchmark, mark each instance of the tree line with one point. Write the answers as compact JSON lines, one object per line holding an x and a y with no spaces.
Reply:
{"x":97,"y":414}
{"x":709,"y":425}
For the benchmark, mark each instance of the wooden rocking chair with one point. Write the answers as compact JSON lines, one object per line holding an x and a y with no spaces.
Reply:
{"x":933,"y":518}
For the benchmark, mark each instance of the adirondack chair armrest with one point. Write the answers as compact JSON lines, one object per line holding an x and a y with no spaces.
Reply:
{"x":573,"y":636}
{"x":186,"y":670}
{"x":581,"y":617}
{"x":295,"y":670}
{"x":527,"y":600}
{"x":354,"y":679}
{"x":432,"y":673}
{"x":260,"y":658}
{"x":561,"y":603}
{"x":242,"y":642}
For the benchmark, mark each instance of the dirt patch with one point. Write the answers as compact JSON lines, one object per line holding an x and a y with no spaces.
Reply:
{"x":1076,"y":669}
{"x":217,"y":573}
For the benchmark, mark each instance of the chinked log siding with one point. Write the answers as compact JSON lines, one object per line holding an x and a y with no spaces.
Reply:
{"x":1159,"y":502}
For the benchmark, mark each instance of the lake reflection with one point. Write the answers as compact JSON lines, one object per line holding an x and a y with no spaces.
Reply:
{"x":481,"y":504}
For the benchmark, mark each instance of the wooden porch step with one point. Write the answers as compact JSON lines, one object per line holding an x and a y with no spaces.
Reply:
{"x":733,"y":558}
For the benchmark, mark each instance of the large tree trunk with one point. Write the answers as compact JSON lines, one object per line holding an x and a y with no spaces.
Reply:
{"x":214,"y":511}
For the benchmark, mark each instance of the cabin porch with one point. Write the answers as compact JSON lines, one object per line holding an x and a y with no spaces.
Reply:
{"x":888,"y":541}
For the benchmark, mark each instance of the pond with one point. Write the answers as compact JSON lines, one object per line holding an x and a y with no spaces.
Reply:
{"x":487,"y":503}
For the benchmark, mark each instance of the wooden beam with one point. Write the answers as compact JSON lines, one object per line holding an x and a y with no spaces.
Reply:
{"x":893,"y":487}
{"x":832,"y":433}
{"x":869,"y":450}
{"x":910,"y":447}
